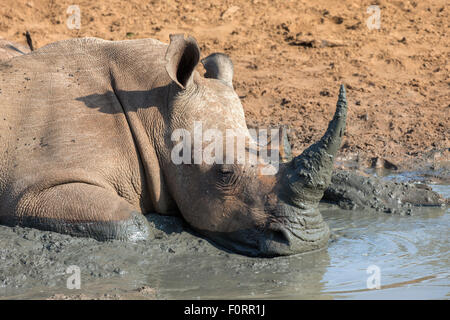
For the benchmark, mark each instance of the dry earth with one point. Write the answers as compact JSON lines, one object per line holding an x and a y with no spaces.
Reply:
{"x":291,"y":56}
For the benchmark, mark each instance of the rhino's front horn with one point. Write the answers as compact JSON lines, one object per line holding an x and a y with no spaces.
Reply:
{"x":285,"y":146}
{"x":219,"y":66}
{"x":310,"y":173}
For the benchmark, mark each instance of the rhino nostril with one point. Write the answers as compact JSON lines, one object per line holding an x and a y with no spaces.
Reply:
{"x":280,"y":234}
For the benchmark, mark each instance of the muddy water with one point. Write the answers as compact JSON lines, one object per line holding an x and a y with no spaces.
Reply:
{"x":410,"y":252}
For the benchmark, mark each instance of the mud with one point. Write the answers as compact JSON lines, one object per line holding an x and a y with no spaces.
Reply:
{"x":350,"y":190}
{"x":412,"y":253}
{"x":31,"y":258}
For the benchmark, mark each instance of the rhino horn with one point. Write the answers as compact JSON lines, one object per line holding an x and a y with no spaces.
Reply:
{"x":309,"y":174}
{"x":219,"y":66}
{"x":285,"y":146}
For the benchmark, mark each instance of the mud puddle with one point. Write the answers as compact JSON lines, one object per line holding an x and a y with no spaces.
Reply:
{"x":410,"y":255}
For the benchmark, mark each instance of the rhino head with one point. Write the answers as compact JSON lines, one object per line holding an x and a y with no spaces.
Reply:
{"x":235,"y":204}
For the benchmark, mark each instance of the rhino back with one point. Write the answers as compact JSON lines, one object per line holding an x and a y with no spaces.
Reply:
{"x":58,"y":112}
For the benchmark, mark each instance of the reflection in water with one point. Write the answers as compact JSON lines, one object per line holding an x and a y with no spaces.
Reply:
{"x":411,"y":252}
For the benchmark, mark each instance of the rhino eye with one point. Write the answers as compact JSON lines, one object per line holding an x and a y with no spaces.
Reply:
{"x":226,"y":170}
{"x":226,"y":176}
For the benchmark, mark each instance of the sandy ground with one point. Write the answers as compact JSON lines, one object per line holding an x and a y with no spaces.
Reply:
{"x":291,"y":56}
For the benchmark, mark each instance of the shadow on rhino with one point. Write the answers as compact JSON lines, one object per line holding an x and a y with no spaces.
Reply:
{"x":88,"y":149}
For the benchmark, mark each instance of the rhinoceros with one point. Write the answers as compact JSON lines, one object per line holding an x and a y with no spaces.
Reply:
{"x":86,"y":139}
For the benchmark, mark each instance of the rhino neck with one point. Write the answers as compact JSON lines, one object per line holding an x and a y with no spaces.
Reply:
{"x":141,"y":87}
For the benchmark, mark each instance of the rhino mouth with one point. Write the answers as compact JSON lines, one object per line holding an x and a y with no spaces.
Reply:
{"x":290,"y":241}
{"x":286,"y":235}
{"x":294,"y":232}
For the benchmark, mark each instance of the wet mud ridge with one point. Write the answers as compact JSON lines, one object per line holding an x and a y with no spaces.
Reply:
{"x":37,"y":260}
{"x":353,"y":191}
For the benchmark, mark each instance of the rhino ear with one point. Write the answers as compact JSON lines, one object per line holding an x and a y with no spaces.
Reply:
{"x":182,"y":57}
{"x":219,"y":66}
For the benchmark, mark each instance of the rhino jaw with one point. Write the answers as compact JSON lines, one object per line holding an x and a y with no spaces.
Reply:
{"x":298,"y":233}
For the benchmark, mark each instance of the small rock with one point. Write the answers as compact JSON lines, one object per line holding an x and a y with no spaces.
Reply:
{"x":146,"y":290}
{"x":364,"y":117}
{"x":229,"y":12}
{"x":379,"y":163}
{"x":337,"y":20}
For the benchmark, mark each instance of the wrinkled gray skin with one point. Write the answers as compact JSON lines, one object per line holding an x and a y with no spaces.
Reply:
{"x":85,"y":134}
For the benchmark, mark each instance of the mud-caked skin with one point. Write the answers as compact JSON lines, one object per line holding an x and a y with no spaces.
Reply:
{"x":352,"y":191}
{"x":85,"y":140}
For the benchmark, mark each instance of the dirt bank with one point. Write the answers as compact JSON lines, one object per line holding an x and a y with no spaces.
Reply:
{"x":291,"y":56}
